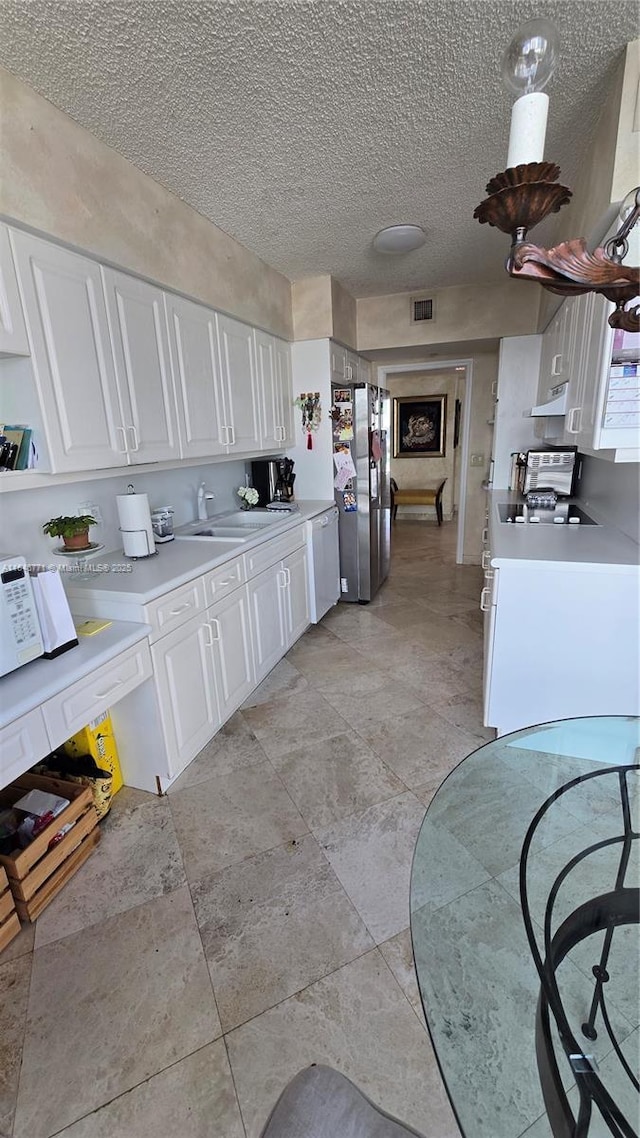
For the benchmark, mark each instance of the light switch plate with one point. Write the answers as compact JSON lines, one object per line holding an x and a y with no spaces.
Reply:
{"x":477,"y":460}
{"x":92,"y":509}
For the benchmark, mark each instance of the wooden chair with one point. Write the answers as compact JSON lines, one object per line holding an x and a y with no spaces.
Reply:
{"x":424,"y":497}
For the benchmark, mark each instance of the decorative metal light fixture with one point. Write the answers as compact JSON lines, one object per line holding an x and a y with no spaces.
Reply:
{"x":528,"y":191}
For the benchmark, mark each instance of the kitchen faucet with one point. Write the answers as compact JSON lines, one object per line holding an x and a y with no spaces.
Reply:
{"x":203,"y":497}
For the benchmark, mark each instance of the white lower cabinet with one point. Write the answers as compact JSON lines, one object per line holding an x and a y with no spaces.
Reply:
{"x":183,"y":665}
{"x":267,"y":619}
{"x":213,"y":639}
{"x":279,"y":598}
{"x":295,"y":597}
{"x":233,"y":658}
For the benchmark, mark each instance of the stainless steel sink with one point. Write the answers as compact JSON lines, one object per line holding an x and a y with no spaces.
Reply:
{"x":238,"y":526}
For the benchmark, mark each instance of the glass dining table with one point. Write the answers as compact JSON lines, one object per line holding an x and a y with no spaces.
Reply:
{"x":524,"y":925}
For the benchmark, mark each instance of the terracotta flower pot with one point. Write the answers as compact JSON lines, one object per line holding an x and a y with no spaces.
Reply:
{"x":77,"y":540}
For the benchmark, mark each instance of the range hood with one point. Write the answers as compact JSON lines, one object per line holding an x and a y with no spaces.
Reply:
{"x":556,"y":404}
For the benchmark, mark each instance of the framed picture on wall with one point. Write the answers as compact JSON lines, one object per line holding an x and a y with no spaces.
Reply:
{"x":419,"y":426}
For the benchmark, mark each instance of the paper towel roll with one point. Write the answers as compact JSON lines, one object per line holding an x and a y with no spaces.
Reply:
{"x":135,"y":525}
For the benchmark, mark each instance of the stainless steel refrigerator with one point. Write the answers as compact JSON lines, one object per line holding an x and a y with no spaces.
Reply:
{"x":364,"y":503}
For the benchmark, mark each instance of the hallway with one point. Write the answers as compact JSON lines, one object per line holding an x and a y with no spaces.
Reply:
{"x":256,"y":919}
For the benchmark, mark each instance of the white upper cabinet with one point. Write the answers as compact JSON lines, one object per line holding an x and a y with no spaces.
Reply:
{"x":273,"y":365}
{"x":270,"y":425}
{"x":141,"y":352}
{"x":239,"y":385}
{"x":13,"y":330}
{"x":195,"y":365}
{"x":284,"y":389}
{"x":72,"y":359}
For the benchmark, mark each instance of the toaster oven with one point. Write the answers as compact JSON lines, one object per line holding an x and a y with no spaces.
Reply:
{"x":551,"y":469}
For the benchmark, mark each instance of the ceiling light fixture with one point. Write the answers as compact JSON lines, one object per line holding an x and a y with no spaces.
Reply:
{"x":528,"y":191}
{"x":399,"y":239}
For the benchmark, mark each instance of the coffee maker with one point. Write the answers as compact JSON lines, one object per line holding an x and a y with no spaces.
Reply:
{"x":273,"y":478}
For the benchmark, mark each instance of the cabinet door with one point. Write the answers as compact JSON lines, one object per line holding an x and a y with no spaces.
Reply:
{"x":195,"y":367}
{"x":268,"y":629}
{"x":13,"y":330}
{"x":233,"y":656}
{"x":72,"y":359}
{"x":339,"y":372}
{"x":270,"y":425}
{"x":141,"y":353}
{"x":598,"y":343}
{"x":184,"y":673}
{"x":238,"y":375}
{"x":284,"y":390}
{"x":296,"y":595}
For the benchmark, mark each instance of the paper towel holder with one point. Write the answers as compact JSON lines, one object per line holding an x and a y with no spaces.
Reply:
{"x":135,"y":525}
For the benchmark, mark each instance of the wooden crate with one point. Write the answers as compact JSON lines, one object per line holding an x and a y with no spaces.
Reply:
{"x":9,"y":922}
{"x":36,"y":874}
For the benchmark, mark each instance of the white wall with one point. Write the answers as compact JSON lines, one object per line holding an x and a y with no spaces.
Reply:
{"x":518,"y":369}
{"x":311,"y":368}
{"x":614,"y":490}
{"x":25,"y":511}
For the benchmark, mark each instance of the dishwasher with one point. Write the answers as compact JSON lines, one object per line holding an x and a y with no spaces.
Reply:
{"x":324,"y":563}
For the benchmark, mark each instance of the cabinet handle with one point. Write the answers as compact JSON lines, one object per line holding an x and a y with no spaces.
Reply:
{"x":209,"y":640}
{"x":489,"y":574}
{"x":282,"y":578}
{"x":485,"y":601}
{"x":494,"y":387}
{"x":213,"y":621}
{"x":232,"y":441}
{"x":485,"y":534}
{"x":556,"y":367}
{"x":486,"y":559}
{"x":136,"y":444}
{"x":348,"y":371}
{"x":123,"y":449}
{"x":575,"y":415}
{"x":109,"y":691}
{"x":288,"y":572}
{"x":180,"y":608}
{"x":228,"y":581}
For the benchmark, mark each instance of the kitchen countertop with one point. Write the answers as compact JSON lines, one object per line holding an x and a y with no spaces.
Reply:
{"x":590,"y":546}
{"x":176,"y":562}
{"x":26,"y":688}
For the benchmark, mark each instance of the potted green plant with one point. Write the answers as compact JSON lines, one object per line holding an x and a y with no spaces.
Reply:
{"x":74,"y":531}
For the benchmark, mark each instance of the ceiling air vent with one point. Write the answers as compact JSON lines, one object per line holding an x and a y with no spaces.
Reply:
{"x":421,"y":309}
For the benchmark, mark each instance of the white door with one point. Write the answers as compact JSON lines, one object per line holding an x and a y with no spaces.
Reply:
{"x":233,"y":656}
{"x":284,"y":390}
{"x":270,"y":425}
{"x":583,"y":314}
{"x":296,"y":594}
{"x":184,"y":672}
{"x":72,"y":359}
{"x":195,"y":367}
{"x":13,"y":330}
{"x":238,"y":375}
{"x":268,"y":627}
{"x":141,"y":351}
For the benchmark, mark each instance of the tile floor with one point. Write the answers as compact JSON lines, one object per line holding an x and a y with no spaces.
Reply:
{"x":256,"y":919}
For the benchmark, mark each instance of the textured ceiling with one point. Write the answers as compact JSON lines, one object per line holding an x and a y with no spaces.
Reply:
{"x":301,"y":128}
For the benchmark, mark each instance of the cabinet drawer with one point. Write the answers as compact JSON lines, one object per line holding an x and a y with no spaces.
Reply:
{"x":175,"y":608}
{"x":223,"y":580}
{"x":265,"y":555}
{"x":22,"y":743}
{"x":67,"y":713}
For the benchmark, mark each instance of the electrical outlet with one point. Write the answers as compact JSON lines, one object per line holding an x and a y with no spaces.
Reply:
{"x":92,"y":509}
{"x":477,"y":460}
{"x":344,"y":585}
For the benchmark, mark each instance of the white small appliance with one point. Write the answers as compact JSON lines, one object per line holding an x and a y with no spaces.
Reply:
{"x":136,"y":528}
{"x":162,"y":523}
{"x":20,"y":635}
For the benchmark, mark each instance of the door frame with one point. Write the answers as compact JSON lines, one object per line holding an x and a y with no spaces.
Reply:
{"x":465,"y":424}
